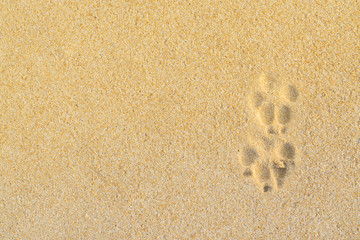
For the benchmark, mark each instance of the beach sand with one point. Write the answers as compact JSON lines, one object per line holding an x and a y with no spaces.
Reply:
{"x":179,"y":119}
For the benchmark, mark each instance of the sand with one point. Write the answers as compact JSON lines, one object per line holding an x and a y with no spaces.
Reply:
{"x":179,"y":119}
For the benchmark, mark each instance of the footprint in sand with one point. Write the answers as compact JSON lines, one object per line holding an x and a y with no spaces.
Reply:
{"x":268,"y":155}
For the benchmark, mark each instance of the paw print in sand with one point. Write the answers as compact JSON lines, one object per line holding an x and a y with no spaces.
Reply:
{"x":268,"y":156}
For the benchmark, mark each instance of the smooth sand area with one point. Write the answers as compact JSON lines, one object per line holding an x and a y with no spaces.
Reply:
{"x":179,"y":119}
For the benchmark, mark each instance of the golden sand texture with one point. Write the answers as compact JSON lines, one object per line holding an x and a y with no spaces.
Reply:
{"x":179,"y":119}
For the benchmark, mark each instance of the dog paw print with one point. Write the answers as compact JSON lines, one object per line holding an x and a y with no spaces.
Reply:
{"x":272,"y":110}
{"x":269,"y":155}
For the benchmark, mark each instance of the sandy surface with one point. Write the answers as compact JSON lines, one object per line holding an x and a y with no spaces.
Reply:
{"x":179,"y":120}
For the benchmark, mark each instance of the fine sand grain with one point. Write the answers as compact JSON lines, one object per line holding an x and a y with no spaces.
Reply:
{"x":179,"y":119}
